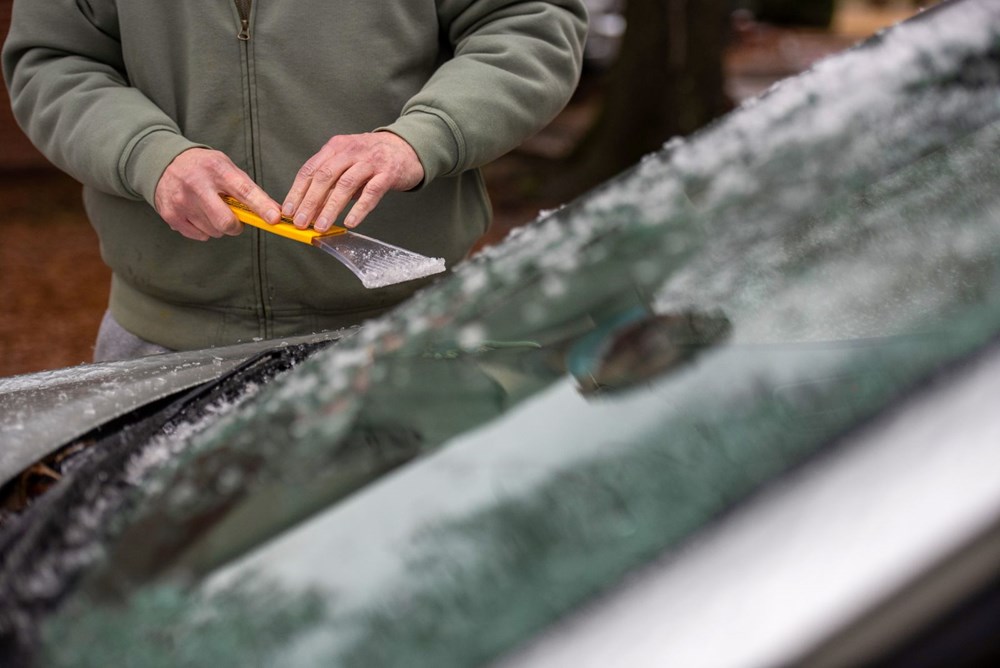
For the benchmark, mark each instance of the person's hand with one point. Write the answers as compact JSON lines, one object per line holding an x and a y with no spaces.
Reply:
{"x":188,"y":193}
{"x":364,"y":166}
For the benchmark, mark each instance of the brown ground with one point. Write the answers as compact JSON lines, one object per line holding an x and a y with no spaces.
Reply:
{"x":52,"y":282}
{"x":53,"y":286}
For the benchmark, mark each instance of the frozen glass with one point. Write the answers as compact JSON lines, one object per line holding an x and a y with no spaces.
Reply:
{"x":584,"y":396}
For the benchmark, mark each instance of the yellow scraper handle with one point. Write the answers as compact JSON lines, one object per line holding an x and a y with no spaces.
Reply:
{"x":286,"y":228}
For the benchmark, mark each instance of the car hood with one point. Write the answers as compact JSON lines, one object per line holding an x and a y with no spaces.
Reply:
{"x":41,"y":412}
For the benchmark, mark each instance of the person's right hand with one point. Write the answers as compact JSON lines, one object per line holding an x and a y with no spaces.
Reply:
{"x":188,"y":193}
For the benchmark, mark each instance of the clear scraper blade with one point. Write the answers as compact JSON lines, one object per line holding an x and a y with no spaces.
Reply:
{"x":377,"y":263}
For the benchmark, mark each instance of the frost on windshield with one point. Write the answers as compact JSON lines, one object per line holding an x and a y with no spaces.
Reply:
{"x":853,"y":205}
{"x":823,"y":211}
{"x":241,"y":625}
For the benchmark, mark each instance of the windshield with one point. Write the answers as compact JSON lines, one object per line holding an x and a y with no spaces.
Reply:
{"x":600,"y":385}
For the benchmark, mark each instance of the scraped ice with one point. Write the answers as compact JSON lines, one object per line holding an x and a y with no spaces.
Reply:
{"x":399,"y":270}
{"x":377,"y":263}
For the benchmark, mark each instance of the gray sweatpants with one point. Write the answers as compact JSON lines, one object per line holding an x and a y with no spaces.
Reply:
{"x":114,"y":343}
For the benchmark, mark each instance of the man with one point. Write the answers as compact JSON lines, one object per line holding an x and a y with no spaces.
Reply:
{"x":158,"y":108}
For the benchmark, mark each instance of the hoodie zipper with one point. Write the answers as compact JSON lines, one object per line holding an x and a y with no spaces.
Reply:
{"x":243,"y":8}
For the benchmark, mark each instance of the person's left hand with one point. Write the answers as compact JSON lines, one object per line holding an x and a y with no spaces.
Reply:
{"x":364,"y":166}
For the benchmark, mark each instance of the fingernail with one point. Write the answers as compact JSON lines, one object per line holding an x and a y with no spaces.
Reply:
{"x":322,"y":224}
{"x":351,"y":221}
{"x":272,"y":215}
{"x":300,"y":220}
{"x":287,"y":209}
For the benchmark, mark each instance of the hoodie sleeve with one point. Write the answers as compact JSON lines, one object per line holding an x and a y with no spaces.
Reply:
{"x":62,"y":63}
{"x":514,"y":67}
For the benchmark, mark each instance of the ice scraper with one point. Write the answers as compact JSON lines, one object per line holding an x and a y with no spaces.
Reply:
{"x":375,"y":262}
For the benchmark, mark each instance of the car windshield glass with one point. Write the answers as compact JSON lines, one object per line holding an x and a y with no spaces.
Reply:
{"x":603,"y":383}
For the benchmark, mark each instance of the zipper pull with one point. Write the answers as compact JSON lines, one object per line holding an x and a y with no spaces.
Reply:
{"x":244,"y":33}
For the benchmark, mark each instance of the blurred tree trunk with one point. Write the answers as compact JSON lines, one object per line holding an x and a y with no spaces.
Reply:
{"x":668,"y":81}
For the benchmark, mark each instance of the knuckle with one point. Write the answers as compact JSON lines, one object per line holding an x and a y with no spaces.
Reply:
{"x":217,"y":164}
{"x":349,"y":182}
{"x":331,"y":210}
{"x":245,"y":189}
{"x":361,"y":208}
{"x":340,"y":142}
{"x":379,"y":185}
{"x":324,"y":174}
{"x":308,"y":169}
{"x":374,"y":191}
